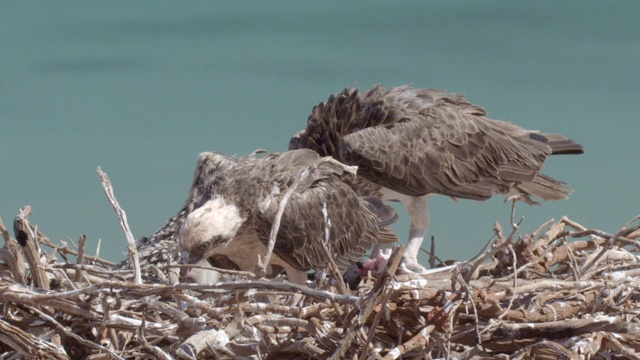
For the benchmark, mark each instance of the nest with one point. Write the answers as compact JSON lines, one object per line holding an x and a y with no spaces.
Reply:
{"x":563,"y":291}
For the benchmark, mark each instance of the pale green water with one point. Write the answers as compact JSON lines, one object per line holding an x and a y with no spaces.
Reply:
{"x":142,"y":88}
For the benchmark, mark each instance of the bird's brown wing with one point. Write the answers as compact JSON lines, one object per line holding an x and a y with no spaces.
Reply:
{"x":353,"y":225}
{"x":447,"y":146}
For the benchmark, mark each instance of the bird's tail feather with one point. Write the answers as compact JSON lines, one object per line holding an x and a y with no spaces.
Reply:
{"x":546,"y":188}
{"x":562,"y":145}
{"x":386,"y":216}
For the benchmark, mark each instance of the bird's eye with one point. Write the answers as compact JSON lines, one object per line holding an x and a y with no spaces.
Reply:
{"x":205,"y":246}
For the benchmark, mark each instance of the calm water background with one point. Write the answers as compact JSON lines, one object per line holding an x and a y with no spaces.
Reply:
{"x":141,"y":88}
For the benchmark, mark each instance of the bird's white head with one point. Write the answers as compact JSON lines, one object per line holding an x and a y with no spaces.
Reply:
{"x":206,"y":229}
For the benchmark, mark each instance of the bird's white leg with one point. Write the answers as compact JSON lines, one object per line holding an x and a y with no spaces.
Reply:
{"x":418,"y":211}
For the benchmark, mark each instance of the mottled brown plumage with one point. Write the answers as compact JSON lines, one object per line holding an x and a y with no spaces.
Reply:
{"x":410,"y":143}
{"x":161,"y":248}
{"x":234,"y":215}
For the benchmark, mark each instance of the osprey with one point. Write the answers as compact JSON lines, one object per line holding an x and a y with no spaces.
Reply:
{"x":410,"y":144}
{"x":234,"y":215}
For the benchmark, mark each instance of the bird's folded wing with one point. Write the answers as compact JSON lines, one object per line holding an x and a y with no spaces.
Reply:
{"x":349,"y":228}
{"x":447,"y":150}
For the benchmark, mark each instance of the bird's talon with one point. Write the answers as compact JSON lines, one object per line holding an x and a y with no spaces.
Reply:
{"x":411,"y":265}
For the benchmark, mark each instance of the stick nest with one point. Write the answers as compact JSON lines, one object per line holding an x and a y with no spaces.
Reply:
{"x":563,"y":291}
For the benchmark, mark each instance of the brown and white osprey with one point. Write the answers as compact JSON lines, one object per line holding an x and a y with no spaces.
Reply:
{"x":410,"y":143}
{"x":234,"y":215}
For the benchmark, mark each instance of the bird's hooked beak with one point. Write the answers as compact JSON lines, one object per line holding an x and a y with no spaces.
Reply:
{"x":186,"y":258}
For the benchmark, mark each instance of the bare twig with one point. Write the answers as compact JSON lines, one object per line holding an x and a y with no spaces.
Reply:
{"x":74,"y":336}
{"x":80,"y":259}
{"x":31,"y":248}
{"x":325,"y":246}
{"x":626,"y":230}
{"x":264,"y":262}
{"x":481,"y":258}
{"x":367,"y":305}
{"x":418,"y":341}
{"x":28,"y":345}
{"x":13,"y":256}
{"x":515,"y":282}
{"x":133,"y":251}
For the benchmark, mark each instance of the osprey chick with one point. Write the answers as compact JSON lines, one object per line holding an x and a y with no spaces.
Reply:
{"x":234,"y":215}
{"x":410,"y":143}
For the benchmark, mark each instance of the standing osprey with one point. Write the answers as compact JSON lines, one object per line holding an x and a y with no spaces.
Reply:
{"x":234,"y":215}
{"x":410,"y":143}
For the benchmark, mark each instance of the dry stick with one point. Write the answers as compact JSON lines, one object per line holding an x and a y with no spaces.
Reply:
{"x":574,"y":264}
{"x":80,"y":258}
{"x":31,"y":248}
{"x":342,"y":287}
{"x":262,"y":265}
{"x":44,"y":240}
{"x":191,"y":347}
{"x":560,"y":351}
{"x":513,"y":215}
{"x":465,"y":286}
{"x":64,"y":275}
{"x":376,"y":319}
{"x":626,"y":230}
{"x":571,"y":327}
{"x":481,"y":258}
{"x":369,"y":303}
{"x":13,"y":256}
{"x":515,"y":283}
{"x":157,"y":289}
{"x":98,"y":249}
{"x":102,"y":330}
{"x":87,"y":269}
{"x":71,"y":334}
{"x":158,"y":352}
{"x":247,"y":274}
{"x":419,"y":341}
{"x":542,"y":227}
{"x":325,"y":246}
{"x":468,"y":354}
{"x":432,"y":255}
{"x":573,"y":224}
{"x":620,"y":348}
{"x":29,"y":345}
{"x":539,"y":247}
{"x":133,"y":251}
{"x":600,"y":234}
